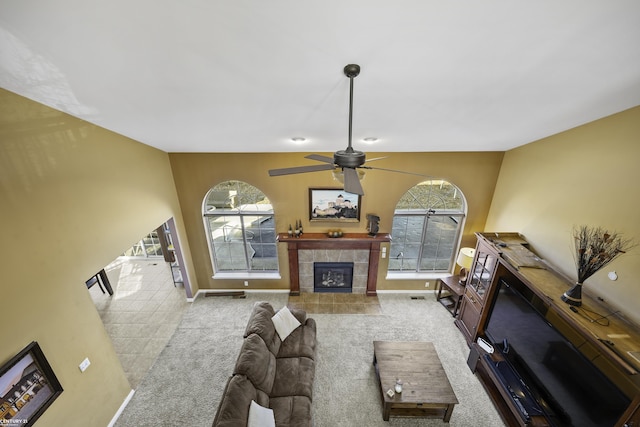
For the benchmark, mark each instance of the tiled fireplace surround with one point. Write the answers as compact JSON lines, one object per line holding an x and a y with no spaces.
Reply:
{"x":360,"y":248}
{"x":359,"y":258}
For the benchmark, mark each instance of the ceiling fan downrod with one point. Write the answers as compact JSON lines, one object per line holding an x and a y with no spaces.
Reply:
{"x":351,"y":71}
{"x":350,"y":158}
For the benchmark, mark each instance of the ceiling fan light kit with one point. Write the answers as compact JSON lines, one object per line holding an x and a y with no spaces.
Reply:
{"x":346,"y":164}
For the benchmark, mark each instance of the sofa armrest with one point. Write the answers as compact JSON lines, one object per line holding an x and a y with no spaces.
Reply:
{"x":299,"y":314}
{"x":310,"y":323}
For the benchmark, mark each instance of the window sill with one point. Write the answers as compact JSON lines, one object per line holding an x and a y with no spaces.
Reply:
{"x":247,"y":276}
{"x":416,"y":276}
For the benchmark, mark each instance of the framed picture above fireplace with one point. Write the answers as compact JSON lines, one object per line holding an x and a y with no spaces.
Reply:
{"x":333,"y":204}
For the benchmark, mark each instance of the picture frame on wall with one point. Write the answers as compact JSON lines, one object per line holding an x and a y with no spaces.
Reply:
{"x":28,"y":386}
{"x":333,"y":204}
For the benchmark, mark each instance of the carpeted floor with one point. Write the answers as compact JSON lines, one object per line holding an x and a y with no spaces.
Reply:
{"x":185,"y":384}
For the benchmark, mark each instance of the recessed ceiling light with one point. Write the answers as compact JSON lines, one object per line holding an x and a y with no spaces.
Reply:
{"x":298,"y":139}
{"x":370,"y":139}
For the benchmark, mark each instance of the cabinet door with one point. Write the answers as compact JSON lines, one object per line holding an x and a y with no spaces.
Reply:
{"x":469,"y":316}
{"x":482,"y":271}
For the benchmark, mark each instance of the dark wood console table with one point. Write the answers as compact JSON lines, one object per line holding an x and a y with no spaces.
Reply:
{"x":453,"y":292}
{"x":323,"y":241}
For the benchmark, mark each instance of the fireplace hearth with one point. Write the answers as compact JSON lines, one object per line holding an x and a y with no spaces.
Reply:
{"x":333,"y":277}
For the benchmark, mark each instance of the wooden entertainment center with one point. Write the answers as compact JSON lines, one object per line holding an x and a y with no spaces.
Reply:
{"x":612,"y":346}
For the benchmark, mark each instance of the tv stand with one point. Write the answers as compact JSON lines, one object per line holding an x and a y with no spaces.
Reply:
{"x":506,"y":255}
{"x":509,"y":395}
{"x":515,"y":388}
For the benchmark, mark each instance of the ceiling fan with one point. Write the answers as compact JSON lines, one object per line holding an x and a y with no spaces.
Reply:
{"x":348,"y":160}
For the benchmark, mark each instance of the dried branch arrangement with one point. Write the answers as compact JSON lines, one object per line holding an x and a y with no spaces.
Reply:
{"x":595,"y":248}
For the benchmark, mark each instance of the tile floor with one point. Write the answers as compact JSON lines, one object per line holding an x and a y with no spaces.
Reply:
{"x":143,"y":312}
{"x":335,"y":303}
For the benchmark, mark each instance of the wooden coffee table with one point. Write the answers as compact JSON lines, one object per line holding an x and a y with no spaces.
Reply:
{"x":426,"y":391}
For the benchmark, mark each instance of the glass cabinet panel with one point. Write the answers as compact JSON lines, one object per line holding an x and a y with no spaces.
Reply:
{"x":482,"y":272}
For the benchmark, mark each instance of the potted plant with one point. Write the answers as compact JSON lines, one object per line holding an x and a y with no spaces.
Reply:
{"x":594,"y":248}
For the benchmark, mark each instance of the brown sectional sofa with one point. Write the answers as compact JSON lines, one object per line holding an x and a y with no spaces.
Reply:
{"x":276,"y":374}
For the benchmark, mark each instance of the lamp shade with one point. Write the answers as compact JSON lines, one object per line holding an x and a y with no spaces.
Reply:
{"x":465,"y":257}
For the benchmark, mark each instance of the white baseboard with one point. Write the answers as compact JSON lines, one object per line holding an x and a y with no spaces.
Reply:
{"x":121,"y":409}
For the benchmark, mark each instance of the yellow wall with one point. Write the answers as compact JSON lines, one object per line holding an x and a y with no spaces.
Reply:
{"x":587,"y":175}
{"x":474,"y":173}
{"x":73,"y":196}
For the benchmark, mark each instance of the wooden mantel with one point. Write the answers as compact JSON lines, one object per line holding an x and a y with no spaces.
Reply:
{"x":323,"y":241}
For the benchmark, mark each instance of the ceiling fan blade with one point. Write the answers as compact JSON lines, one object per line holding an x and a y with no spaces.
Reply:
{"x":319,"y":158}
{"x":300,"y":169}
{"x":376,"y":158}
{"x":352,"y":182}
{"x":393,"y":170}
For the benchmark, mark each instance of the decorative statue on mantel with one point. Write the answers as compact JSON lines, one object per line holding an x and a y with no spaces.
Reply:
{"x":595,"y":248}
{"x":372,"y":226}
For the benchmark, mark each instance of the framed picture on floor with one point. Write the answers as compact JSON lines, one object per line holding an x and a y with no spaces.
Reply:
{"x":333,"y":204}
{"x":28,"y":387}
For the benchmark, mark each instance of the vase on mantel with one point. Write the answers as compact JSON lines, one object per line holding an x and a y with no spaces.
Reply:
{"x":574,"y":295}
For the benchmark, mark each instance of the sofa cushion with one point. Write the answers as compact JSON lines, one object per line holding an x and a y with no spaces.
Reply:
{"x":294,"y":377}
{"x":257,"y":363}
{"x":260,"y":323}
{"x":233,"y":410}
{"x":301,"y":342}
{"x":284,"y":322}
{"x":292,"y":411}
{"x":259,"y":416}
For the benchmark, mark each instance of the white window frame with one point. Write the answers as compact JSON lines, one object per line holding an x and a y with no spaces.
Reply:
{"x":458,"y":215}
{"x":242,"y":213}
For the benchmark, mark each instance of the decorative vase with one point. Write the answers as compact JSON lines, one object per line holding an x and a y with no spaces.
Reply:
{"x":574,"y":295}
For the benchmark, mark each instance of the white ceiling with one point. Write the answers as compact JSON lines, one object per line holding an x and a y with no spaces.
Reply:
{"x":247,"y":75}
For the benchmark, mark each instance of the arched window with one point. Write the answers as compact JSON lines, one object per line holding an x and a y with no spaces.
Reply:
{"x":240,"y":227}
{"x":427,"y":223}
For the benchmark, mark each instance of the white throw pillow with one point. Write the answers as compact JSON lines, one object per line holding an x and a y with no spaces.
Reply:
{"x":285,"y":322}
{"x":259,"y":416}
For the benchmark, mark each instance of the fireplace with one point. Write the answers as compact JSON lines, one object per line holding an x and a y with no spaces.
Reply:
{"x":360,"y":248}
{"x":332,"y":276}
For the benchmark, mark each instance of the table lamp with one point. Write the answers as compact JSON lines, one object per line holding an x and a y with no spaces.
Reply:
{"x":465,"y":259}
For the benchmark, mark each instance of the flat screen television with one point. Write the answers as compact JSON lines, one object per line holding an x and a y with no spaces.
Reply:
{"x":565,"y":384}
